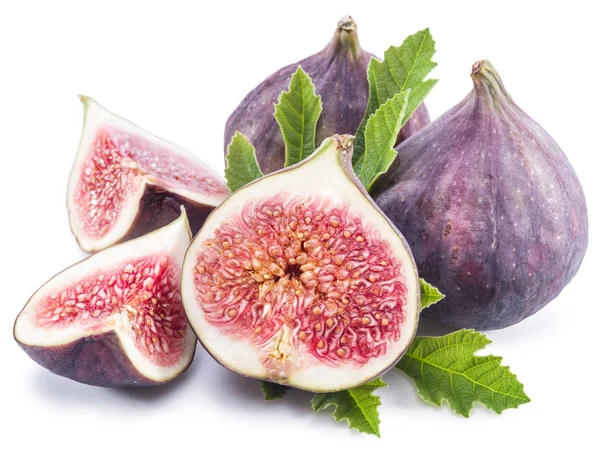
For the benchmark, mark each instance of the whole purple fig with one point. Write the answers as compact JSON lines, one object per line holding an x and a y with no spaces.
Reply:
{"x":491,"y":207}
{"x":339,"y":73}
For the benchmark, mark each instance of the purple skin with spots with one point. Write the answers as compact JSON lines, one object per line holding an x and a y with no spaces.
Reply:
{"x":491,"y":207}
{"x":339,"y":73}
{"x":97,"y":360}
{"x":418,"y":120}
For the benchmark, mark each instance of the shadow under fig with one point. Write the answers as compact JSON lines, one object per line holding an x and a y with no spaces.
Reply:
{"x":250,"y":390}
{"x":430,"y":328}
{"x":149,"y":394}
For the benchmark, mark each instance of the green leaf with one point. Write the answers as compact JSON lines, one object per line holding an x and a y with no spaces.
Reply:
{"x":380,"y":137}
{"x":403,"y":67}
{"x":445,"y":368}
{"x":273,"y":391}
{"x":359,"y":406}
{"x":297,"y":113}
{"x":242,"y":166}
{"x":429,"y":294}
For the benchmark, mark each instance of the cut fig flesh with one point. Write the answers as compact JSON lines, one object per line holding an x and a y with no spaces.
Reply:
{"x":127,"y":182}
{"x":298,"y":278}
{"x":115,"y":318}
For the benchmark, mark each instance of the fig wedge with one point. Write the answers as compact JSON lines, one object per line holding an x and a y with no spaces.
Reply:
{"x":114,"y":319}
{"x":127,"y":182}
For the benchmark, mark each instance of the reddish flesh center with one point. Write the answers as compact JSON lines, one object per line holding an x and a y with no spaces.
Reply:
{"x":143,"y":298}
{"x":114,"y":167}
{"x":304,"y":265}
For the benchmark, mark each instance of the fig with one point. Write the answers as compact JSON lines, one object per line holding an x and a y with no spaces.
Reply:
{"x":127,"y":182}
{"x":115,"y":319}
{"x":339,"y":73}
{"x":491,"y":207}
{"x":299,"y":279}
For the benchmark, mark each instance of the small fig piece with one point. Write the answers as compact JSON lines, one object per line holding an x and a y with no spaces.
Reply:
{"x":127,"y":182}
{"x":339,"y":73}
{"x":299,"y":279}
{"x":114,"y":319}
{"x":491,"y":207}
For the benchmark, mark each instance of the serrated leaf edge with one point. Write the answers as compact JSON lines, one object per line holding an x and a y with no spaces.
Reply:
{"x":425,"y":288}
{"x":302,"y":77}
{"x":228,"y":173}
{"x":403,"y":98}
{"x":264,"y":384}
{"x":374,"y":427}
{"x":374,"y":61}
{"x":486,"y":341}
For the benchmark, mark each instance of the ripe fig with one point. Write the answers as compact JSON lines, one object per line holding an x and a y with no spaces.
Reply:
{"x":116,"y":318}
{"x":298,"y":278}
{"x":491,"y":208}
{"x":339,"y":73}
{"x":126,"y":182}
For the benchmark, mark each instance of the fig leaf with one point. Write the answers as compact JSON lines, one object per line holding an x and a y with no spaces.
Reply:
{"x":429,"y":294}
{"x":359,"y":406}
{"x":403,"y":67}
{"x":273,"y":391}
{"x":297,"y":113}
{"x":445,"y":368}
{"x":380,"y":137}
{"x":242,"y":166}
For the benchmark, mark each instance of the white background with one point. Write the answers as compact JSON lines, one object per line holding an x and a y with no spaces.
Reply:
{"x":178,"y":69}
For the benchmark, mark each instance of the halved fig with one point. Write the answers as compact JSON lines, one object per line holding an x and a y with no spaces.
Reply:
{"x":115,"y":318}
{"x":298,"y":278}
{"x":127,"y":182}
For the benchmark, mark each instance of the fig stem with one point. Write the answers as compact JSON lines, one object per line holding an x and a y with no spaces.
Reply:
{"x":486,"y":79}
{"x":347,"y":23}
{"x":346,"y":36}
{"x":344,"y":141}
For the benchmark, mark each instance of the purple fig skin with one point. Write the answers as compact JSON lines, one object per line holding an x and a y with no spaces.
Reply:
{"x":339,"y":73}
{"x":418,"y":120}
{"x":97,"y":360}
{"x":159,"y":207}
{"x":491,"y":207}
